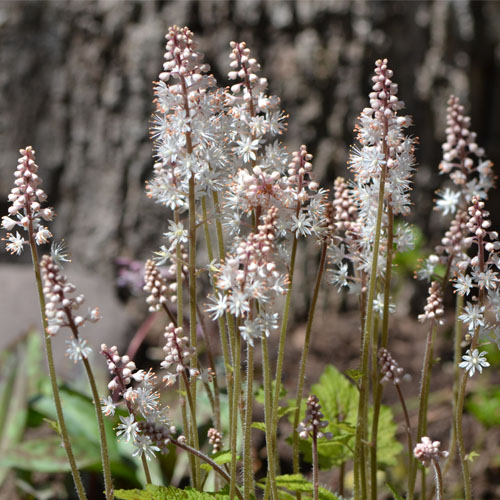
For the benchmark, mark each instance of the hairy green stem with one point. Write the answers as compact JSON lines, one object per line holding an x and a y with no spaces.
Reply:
{"x":234,"y":424}
{"x":360,"y":492}
{"x":315,"y":465}
{"x":281,"y":354}
{"x":217,"y":468}
{"x":378,"y":388}
{"x":52,"y":371}
{"x":423,"y":403}
{"x":247,"y":426}
{"x":268,"y":392}
{"x":303,"y":359}
{"x":457,"y":356}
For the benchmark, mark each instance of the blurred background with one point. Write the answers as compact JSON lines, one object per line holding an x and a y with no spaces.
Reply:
{"x":76,"y":84}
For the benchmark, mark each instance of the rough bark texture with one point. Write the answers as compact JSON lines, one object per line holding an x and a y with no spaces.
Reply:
{"x":76,"y":84}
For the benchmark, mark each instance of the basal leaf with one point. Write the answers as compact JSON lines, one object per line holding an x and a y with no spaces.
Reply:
{"x":339,"y":403}
{"x":153,"y":492}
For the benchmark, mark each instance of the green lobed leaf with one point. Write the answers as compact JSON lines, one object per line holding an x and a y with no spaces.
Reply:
{"x":339,"y":403}
{"x":261,"y":426}
{"x":297,"y":482}
{"x":153,"y":492}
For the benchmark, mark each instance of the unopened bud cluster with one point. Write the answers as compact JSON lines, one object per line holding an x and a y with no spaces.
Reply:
{"x":215,"y":439}
{"x":312,"y":424}
{"x":60,"y":303}
{"x":160,"y":292}
{"x":460,"y":141}
{"x":25,"y":211}
{"x":389,"y":367}
{"x":160,"y":434}
{"x":428,"y":451}
{"x":346,"y":211}
{"x":434,"y":309}
{"x":122,"y":367}
{"x":177,"y":350}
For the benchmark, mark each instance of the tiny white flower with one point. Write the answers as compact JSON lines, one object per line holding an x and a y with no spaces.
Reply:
{"x":107,"y":406}
{"x":218,"y":306}
{"x":302,"y":225}
{"x":43,"y":235}
{"x":15,"y":243}
{"x":144,"y":446}
{"x":128,"y":428}
{"x":463,"y":284}
{"x":448,"y":201}
{"x":77,"y":349}
{"x":472,"y":316}
{"x":474,"y":361}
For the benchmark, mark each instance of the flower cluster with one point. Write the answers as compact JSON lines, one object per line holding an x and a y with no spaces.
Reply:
{"x":215,"y":439}
{"x":389,"y":367}
{"x":434,"y":309}
{"x":312,"y":424}
{"x":384,"y":152}
{"x":428,"y":451}
{"x":178,"y":352}
{"x":251,"y":274}
{"x":61,"y":304}
{"x":26,"y":211}
{"x":471,"y":176}
{"x":189,"y":125}
{"x":160,"y":292}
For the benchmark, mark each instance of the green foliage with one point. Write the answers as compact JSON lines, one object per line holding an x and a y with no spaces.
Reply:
{"x":339,"y":403}
{"x":297,"y":482}
{"x":169,"y":493}
{"x":220,"y":458}
{"x":19,"y":371}
{"x":397,"y":496}
{"x":485,"y":406}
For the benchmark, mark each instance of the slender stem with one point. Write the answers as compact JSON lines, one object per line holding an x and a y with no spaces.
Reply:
{"x":315,"y":465}
{"x":281,"y":353}
{"x":439,"y":480}
{"x":209,"y":461}
{"x":378,"y":387}
{"x":247,"y":431}
{"x":211,"y":358}
{"x":192,"y":291}
{"x":422,"y":406}
{"x":407,"y":424}
{"x":146,"y":469}
{"x":457,"y":354}
{"x":463,"y":387}
{"x":234,"y":427}
{"x":52,"y":371}
{"x":303,"y":359}
{"x":108,"y":482}
{"x":268,"y":392}
{"x":359,"y":465}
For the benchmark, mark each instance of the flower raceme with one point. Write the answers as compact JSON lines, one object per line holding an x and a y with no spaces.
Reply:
{"x":26,"y":212}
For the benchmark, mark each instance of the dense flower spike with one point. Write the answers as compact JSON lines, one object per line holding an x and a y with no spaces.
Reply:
{"x":26,"y":198}
{"x":458,"y":152}
{"x":155,"y":284}
{"x":61,"y":303}
{"x":249,"y":274}
{"x":312,"y":423}
{"x":428,"y":451}
{"x":434,"y":308}
{"x":178,"y":352}
{"x":189,"y":125}
{"x":383,"y":148}
{"x":389,"y":367}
